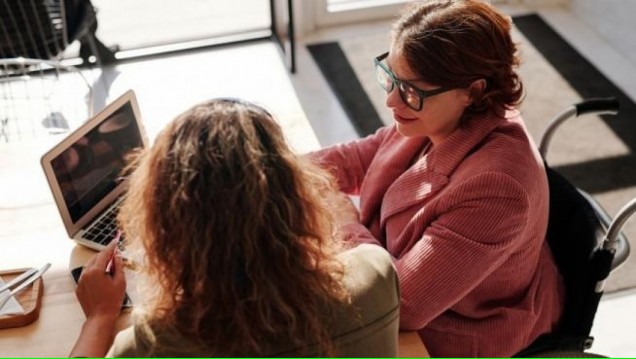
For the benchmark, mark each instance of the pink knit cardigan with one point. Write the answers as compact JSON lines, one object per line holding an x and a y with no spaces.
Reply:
{"x":465,"y":225}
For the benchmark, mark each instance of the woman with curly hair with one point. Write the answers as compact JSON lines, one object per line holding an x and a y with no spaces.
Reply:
{"x":455,"y":188}
{"x":241,"y":256}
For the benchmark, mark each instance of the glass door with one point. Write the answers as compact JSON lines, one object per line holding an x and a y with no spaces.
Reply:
{"x":336,"y":12}
{"x":175,"y":24}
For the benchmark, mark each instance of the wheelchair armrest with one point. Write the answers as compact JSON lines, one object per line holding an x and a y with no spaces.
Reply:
{"x":614,"y":230}
{"x":598,"y":106}
{"x":617,"y":236}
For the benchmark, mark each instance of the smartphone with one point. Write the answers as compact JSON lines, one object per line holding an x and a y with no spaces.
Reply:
{"x":76,"y":272}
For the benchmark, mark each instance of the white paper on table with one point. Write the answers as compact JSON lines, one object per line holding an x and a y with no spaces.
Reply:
{"x":12,"y":306}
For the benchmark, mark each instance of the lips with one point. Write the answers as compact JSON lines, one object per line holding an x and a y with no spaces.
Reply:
{"x":401,"y":119}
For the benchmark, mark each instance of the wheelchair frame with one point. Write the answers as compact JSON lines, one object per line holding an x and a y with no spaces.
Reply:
{"x":586,"y":254}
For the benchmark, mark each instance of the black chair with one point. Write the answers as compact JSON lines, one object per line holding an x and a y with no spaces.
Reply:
{"x":587,"y":245}
{"x":81,"y":19}
{"x":34,"y":35}
{"x":43,"y":29}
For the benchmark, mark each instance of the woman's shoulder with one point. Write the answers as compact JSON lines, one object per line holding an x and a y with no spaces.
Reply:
{"x":371,"y":279}
{"x":504,"y":151}
{"x":369,"y":325}
{"x":508,"y":147}
{"x":367,"y":261}
{"x":366,"y":253}
{"x":141,"y":341}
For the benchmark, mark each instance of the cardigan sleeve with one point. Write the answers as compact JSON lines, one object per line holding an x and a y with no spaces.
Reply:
{"x":350,"y":161}
{"x":465,"y":244}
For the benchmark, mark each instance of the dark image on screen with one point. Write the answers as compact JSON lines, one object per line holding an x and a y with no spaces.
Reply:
{"x":91,"y":168}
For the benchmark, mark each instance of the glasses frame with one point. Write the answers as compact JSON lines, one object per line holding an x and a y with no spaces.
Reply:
{"x":401,"y":83}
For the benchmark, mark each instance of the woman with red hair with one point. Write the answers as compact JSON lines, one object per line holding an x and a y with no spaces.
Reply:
{"x":455,"y":188}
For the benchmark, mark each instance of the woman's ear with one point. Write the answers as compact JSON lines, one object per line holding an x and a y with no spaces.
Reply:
{"x":476,"y":90}
{"x":477,"y":87}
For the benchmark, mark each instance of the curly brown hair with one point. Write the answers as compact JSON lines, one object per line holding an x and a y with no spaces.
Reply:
{"x":238,"y":241}
{"x":452,"y":43}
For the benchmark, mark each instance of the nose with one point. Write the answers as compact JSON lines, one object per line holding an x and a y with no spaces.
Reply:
{"x":393,"y":99}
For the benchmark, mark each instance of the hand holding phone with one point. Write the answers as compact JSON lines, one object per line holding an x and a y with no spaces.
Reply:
{"x":77,"y":272}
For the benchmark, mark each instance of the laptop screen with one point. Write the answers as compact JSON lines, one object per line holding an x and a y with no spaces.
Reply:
{"x":90,"y":168}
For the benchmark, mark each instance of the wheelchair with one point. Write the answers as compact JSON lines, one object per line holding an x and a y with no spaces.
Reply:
{"x":586,"y":244}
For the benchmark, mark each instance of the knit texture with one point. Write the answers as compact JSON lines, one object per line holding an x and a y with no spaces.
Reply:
{"x":465,"y":225}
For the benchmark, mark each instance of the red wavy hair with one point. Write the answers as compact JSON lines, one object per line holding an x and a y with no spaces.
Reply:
{"x":452,"y":43}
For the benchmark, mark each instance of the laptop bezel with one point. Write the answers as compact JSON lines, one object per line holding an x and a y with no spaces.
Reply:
{"x":46,"y":161}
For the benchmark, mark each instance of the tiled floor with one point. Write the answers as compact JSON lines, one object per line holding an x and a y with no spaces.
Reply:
{"x":167,"y":86}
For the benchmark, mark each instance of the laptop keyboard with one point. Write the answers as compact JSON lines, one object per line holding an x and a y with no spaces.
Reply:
{"x":104,"y":230}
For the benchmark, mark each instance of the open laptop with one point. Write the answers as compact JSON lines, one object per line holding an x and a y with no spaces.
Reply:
{"x":84,"y":171}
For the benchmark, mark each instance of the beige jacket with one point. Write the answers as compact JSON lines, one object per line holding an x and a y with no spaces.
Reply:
{"x":370,"y":278}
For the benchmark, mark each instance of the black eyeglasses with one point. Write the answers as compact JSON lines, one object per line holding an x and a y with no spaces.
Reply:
{"x":412,"y":96}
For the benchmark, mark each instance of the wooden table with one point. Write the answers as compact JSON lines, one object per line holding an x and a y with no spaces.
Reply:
{"x":410,"y":346}
{"x":31,"y":234}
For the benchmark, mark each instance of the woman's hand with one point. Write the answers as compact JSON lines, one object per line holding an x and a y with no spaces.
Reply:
{"x":101,"y":295}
